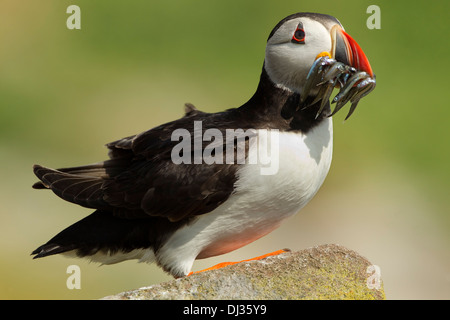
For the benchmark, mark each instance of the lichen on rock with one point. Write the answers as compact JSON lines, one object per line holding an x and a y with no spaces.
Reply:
{"x":322,"y":272}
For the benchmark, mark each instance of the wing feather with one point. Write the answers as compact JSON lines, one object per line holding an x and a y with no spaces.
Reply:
{"x":140,"y":178}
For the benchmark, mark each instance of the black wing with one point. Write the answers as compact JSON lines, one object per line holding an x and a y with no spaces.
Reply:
{"x":140,"y":178}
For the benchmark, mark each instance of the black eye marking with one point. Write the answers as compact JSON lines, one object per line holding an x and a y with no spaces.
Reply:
{"x":299,"y":34}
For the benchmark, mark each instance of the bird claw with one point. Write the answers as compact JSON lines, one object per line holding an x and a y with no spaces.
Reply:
{"x":326,"y":74}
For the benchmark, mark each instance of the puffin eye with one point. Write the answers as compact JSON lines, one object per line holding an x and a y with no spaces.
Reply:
{"x":299,"y":34}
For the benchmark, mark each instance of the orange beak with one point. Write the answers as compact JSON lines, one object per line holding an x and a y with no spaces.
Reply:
{"x":346,"y":50}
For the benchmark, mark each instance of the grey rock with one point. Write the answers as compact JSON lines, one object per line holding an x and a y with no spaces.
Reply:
{"x":322,"y":272}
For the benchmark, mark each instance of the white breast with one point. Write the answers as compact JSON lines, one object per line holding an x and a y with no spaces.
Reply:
{"x":260,"y":201}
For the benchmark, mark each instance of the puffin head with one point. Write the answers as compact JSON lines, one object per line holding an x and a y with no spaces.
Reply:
{"x":299,"y":39}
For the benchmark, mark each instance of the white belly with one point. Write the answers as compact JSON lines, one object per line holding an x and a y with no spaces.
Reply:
{"x":260,"y":201}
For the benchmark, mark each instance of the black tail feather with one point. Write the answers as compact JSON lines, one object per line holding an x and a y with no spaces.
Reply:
{"x":101,"y":231}
{"x":49,"y":249}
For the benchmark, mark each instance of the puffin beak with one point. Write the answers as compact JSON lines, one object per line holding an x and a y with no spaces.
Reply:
{"x":346,"y":50}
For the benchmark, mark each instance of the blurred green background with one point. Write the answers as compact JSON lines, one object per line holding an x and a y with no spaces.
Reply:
{"x":65,"y":93}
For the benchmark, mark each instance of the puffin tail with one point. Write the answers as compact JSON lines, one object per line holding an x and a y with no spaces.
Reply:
{"x":100,"y":232}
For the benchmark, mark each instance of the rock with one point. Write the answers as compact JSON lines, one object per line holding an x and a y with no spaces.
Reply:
{"x":322,"y":272}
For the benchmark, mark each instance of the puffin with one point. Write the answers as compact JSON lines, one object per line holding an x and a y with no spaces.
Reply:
{"x":210,"y":183}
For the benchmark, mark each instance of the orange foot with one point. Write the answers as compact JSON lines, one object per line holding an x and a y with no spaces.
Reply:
{"x":224,"y":264}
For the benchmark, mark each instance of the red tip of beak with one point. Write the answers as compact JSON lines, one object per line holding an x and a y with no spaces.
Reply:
{"x":357,"y":57}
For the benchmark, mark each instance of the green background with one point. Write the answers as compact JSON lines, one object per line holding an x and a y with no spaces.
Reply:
{"x":65,"y":93}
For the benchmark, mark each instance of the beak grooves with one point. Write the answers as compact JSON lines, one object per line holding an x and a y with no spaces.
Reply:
{"x":346,"y":50}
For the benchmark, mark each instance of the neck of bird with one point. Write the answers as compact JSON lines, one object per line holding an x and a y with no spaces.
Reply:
{"x":276,"y":107}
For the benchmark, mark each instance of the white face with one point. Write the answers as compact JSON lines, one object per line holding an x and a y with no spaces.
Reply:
{"x":288,"y":63}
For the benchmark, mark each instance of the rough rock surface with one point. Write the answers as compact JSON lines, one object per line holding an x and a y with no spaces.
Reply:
{"x":322,"y":272}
